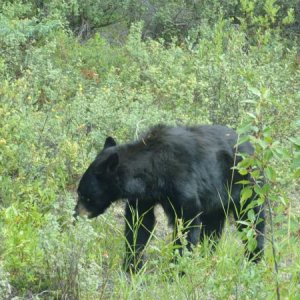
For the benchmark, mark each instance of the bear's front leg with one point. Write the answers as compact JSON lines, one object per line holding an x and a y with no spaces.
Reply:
{"x":140,"y":222}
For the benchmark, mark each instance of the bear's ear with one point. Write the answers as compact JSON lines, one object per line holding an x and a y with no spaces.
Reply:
{"x":111,"y":163}
{"x":109,"y":142}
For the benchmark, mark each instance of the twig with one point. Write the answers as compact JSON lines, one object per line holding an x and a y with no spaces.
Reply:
{"x":273,"y":248}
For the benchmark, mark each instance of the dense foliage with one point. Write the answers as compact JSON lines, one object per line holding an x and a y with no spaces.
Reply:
{"x":67,"y":81}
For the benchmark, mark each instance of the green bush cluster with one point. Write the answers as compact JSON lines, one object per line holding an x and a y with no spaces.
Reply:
{"x":61,"y":97}
{"x":161,"y":19}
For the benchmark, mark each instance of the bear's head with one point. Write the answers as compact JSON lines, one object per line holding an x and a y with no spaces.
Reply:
{"x":98,"y":186}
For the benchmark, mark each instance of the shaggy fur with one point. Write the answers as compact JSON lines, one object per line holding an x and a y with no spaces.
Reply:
{"x":188,"y":170}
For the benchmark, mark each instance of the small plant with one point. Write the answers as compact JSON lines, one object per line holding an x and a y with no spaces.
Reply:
{"x":264,"y":175}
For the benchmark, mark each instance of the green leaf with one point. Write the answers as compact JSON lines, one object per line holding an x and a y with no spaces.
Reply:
{"x":252,"y":244}
{"x":296,"y":162}
{"x":255,"y":91}
{"x":246,"y":193}
{"x":270,"y":173}
{"x":249,"y":101}
{"x":250,"y":233}
{"x":290,"y":18}
{"x":262,"y":143}
{"x":243,"y":139}
{"x":268,"y":139}
{"x":246,"y":162}
{"x":251,"y":215}
{"x":243,"y":182}
{"x":280,"y":153}
{"x":244,"y":129}
{"x":243,"y":171}
{"x":265,"y":92}
{"x":244,"y":223}
{"x":268,"y":154}
{"x":295,"y":141}
{"x":255,"y":174}
{"x":251,"y":115}
{"x":297,"y":173}
{"x":266,"y":188}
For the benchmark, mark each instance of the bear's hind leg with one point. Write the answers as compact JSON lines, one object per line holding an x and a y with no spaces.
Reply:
{"x":212,"y":225}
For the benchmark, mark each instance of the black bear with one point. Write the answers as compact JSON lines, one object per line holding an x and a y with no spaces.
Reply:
{"x":187,"y":170}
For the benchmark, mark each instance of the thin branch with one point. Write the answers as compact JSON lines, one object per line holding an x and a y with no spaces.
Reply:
{"x":273,"y":248}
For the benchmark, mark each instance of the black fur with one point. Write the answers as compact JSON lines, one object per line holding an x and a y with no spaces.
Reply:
{"x":188,"y":170}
